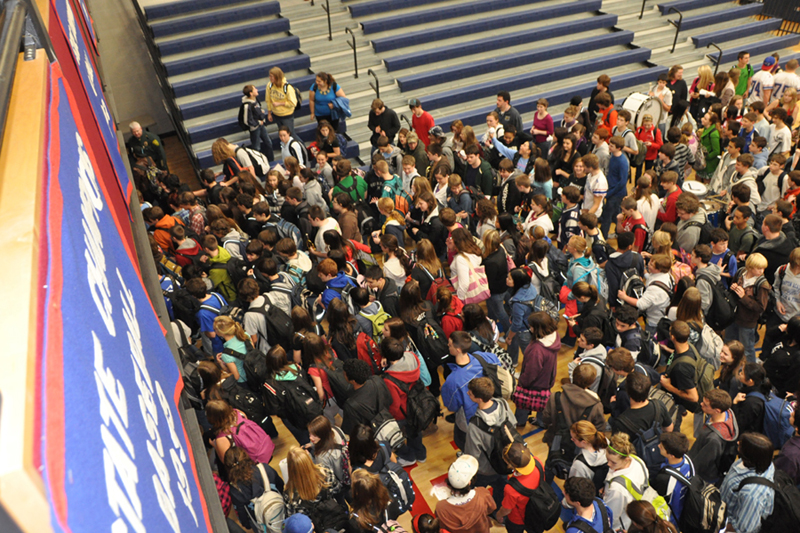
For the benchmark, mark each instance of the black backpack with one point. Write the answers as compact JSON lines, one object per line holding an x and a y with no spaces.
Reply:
{"x":599,"y":472}
{"x":246,"y":401}
{"x":430,"y":340}
{"x":502,"y":435}
{"x":631,"y":283}
{"x":786,"y":510}
{"x":242,"y":124}
{"x":342,"y":389}
{"x":398,"y":483}
{"x":543,"y":508}
{"x":280,"y":329}
{"x":723,"y":307}
{"x":562,"y":449}
{"x":705,"y":230}
{"x":586,"y":528}
{"x":296,"y":400}
{"x":646,"y":441}
{"x":325,"y":512}
{"x":703,"y":509}
{"x":255,"y":365}
{"x":608,"y":384}
{"x":422,"y":407}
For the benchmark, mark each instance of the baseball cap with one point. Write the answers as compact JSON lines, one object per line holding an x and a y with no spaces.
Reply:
{"x":298,"y":523}
{"x":436,"y":131}
{"x":769,"y":62}
{"x":462,"y":471}
{"x":414,"y":102}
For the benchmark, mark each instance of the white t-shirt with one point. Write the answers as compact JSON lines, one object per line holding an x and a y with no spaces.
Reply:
{"x":771,"y":191}
{"x":543,"y":221}
{"x":596,"y":185}
{"x":327,"y":224}
{"x":666,"y":97}
{"x":760,"y":82}
{"x":782,"y":81}
{"x":649,"y":210}
{"x":780,"y":140}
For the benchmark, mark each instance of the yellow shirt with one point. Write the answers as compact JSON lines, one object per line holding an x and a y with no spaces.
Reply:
{"x":278,"y":95}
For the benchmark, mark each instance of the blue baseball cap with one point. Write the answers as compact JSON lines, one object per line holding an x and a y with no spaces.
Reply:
{"x":298,"y":523}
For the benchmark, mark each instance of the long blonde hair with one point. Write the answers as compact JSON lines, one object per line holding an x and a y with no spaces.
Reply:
{"x":386,"y":207}
{"x":662,"y":244}
{"x":278,"y":74}
{"x":426,"y":256}
{"x":225,"y":326}
{"x":491,"y":242}
{"x":706,"y":78}
{"x":585,"y":431}
{"x":305,"y":478}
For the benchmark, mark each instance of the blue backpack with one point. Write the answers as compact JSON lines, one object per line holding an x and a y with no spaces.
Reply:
{"x":776,"y":418}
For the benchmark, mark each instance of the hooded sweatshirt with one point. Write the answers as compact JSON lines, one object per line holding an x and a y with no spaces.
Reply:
{"x":617,"y":496}
{"x":713,"y":441}
{"x":253,"y":114}
{"x":479,"y":443}
{"x":300,"y":264}
{"x":689,"y":231}
{"x":330,"y":293}
{"x":749,"y":179}
{"x":539,"y":363}
{"x":704,"y":277}
{"x":599,"y":353}
{"x":451,"y":320}
{"x":231,"y":240}
{"x":521,"y":307}
{"x":312,"y":191}
{"x":776,"y":251}
{"x":370,"y":309}
{"x":468,"y":513}
{"x":161,"y":231}
{"x":593,"y":458}
{"x":406,"y":369}
{"x":655,"y":300}
{"x":186,"y":251}
{"x":574,"y":401}
{"x":219,"y":274}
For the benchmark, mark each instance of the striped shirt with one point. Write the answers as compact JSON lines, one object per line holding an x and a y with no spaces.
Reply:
{"x":754,"y":502}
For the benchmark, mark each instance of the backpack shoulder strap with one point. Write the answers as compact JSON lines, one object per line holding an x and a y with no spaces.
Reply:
{"x":264,"y":478}
{"x":603,"y":514}
{"x":582,"y":525}
{"x":675,"y":473}
{"x":402,"y":385}
{"x":663,"y":286}
{"x":755,"y":480}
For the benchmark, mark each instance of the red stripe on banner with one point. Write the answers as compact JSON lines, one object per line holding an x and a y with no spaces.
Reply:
{"x":190,"y":453}
{"x":420,"y":505}
{"x":54,"y":380}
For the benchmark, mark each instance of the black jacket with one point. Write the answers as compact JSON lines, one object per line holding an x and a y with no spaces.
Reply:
{"x":496,"y":271}
{"x":776,"y":252}
{"x":388,"y":297}
{"x":388,"y":122}
{"x":750,"y":412}
{"x":617,"y":264}
{"x":508,"y":197}
{"x":593,"y":315}
{"x":365,"y":403}
{"x":434,"y":231}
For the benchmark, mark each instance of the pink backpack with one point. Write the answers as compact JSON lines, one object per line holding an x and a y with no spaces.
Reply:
{"x":249,"y":436}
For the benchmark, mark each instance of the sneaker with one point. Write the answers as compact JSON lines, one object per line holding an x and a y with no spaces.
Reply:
{"x":433,"y":428}
{"x":403,"y":462}
{"x":422,"y":460}
{"x":451,"y":418}
{"x":612,"y":236}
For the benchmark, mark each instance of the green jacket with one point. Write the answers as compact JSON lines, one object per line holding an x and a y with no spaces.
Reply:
{"x":710,"y":141}
{"x":484,"y":180}
{"x":218,"y":272}
{"x":354,"y":185}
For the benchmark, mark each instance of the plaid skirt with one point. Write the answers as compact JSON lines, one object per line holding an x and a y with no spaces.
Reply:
{"x":532,"y":400}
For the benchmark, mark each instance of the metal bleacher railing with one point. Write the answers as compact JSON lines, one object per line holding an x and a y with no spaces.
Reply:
{"x":21,"y":29}
{"x":169,"y":102}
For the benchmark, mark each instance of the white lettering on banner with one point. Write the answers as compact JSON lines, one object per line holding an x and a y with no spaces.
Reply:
{"x":72,"y":29}
{"x":161,"y":482}
{"x":87,"y":64}
{"x":91,"y":205}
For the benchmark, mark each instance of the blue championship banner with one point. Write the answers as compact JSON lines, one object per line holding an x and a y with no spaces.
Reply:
{"x":68,"y":23}
{"x":115,"y":455}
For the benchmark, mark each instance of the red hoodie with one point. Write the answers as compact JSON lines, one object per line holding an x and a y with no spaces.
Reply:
{"x":451,"y":320}
{"x":407,"y":371}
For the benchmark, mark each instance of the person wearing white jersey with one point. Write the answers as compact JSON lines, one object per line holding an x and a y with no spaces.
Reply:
{"x":762,"y":83}
{"x":785,"y":79}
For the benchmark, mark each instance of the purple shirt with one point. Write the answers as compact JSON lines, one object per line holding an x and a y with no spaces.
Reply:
{"x":546,"y":124}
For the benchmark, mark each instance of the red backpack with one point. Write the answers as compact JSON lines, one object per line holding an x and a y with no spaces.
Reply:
{"x":368,"y":352}
{"x":436,"y":282}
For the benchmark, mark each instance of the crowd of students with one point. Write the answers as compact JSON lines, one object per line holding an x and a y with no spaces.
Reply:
{"x":337,"y":299}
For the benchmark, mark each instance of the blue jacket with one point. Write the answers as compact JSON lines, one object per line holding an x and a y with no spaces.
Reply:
{"x":330,"y":293}
{"x":583,"y":261}
{"x":521,"y":307}
{"x":341,"y":108}
{"x":454,"y":390}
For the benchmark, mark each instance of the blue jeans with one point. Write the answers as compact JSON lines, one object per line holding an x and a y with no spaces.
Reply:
{"x":260,"y":141}
{"x":520,"y":341}
{"x":413,"y":449}
{"x":610,"y":212}
{"x":497,"y":312}
{"x":285,"y":121}
{"x":496,"y":481}
{"x":299,"y":433}
{"x":747,"y":336}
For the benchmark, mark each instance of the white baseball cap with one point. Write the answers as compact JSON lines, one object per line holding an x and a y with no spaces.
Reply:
{"x":462,"y":471}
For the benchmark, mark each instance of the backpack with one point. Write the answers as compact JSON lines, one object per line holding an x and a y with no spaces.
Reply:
{"x":225,"y":309}
{"x":258,"y":161}
{"x":646,"y":493}
{"x":287,"y":230}
{"x":667,"y":400}
{"x":244,"y":400}
{"x":429,"y":338}
{"x":280,"y":330}
{"x":777,"y":412}
{"x":594,"y":277}
{"x":646,"y":441}
{"x":705,"y":230}
{"x":342,"y":144}
{"x":586,"y":528}
{"x":599,"y":472}
{"x":703,"y":372}
{"x":388,"y":430}
{"x":296,"y":400}
{"x":562,"y":449}
{"x":769,"y":310}
{"x":269,"y":509}
{"x":786,"y":509}
{"x":703,"y":508}
{"x":503,"y":380}
{"x":502,"y":436}
{"x":632,"y":284}
{"x":326,"y":188}
{"x":710,"y":345}
{"x":368,"y":351}
{"x":242,"y":124}
{"x":255,"y":365}
{"x":297,"y":95}
{"x":378,"y":320}
{"x":342,"y":389}
{"x":344,"y":292}
{"x":608,"y":382}
{"x":325,"y":512}
{"x":496,"y":349}
{"x":422,"y":407}
{"x":549,"y":289}
{"x":398,"y":483}
{"x":722,"y":311}
{"x":762,"y":175}
{"x":543,"y":508}
{"x":638,"y":159}
{"x":439,"y":281}
{"x":557,"y":263}
{"x":249,"y":436}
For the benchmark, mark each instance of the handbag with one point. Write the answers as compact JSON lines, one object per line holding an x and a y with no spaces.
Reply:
{"x":509,"y":262}
{"x":478,"y":285}
{"x":530,"y":400}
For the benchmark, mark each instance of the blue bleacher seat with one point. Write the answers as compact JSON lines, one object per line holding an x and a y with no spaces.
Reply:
{"x":232,"y":100}
{"x":215,"y":18}
{"x":486,"y":24}
{"x":556,"y":97}
{"x":436,"y":14}
{"x":183,"y":7}
{"x":732,"y":13}
{"x":739,"y":32}
{"x":241,"y":75}
{"x":216,"y":36}
{"x":224,"y":57}
{"x":497,"y":42}
{"x":766,"y":46}
{"x":577,"y":46}
{"x":383,"y":6}
{"x":521,"y":81}
{"x":685,"y":5}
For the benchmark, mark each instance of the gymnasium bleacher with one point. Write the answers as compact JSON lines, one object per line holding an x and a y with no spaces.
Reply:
{"x":449,"y":54}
